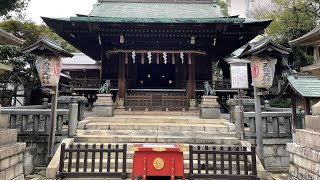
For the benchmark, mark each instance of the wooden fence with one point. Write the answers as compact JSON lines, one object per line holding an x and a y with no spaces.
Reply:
{"x":222,"y":163}
{"x":72,"y":167}
{"x":35,"y":121}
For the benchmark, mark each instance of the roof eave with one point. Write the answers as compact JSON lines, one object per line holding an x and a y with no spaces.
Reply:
{"x":10,"y":38}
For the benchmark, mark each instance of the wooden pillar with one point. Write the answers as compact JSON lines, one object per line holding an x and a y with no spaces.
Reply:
{"x":192,"y":80}
{"x":294,"y":112}
{"x":103,"y":60}
{"x":307,"y":106}
{"x":121,"y":81}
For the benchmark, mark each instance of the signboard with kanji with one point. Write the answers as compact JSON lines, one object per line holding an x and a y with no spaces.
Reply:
{"x":239,"y":76}
{"x":49,"y":70}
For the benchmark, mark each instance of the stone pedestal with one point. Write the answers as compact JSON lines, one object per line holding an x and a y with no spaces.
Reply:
{"x":192,"y":104}
{"x":305,"y":151}
{"x":210,"y":108}
{"x":120,"y":103}
{"x":103,"y":107}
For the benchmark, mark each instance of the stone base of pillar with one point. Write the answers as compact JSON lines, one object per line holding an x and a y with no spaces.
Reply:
{"x":103,"y":107}
{"x":210,"y":108}
{"x":193,"y":104}
{"x":120,"y":103}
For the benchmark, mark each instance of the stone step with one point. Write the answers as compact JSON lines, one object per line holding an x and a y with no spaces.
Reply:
{"x":130,"y":164}
{"x":153,"y":136}
{"x":156,"y":119}
{"x":8,"y":136}
{"x":157,"y":126}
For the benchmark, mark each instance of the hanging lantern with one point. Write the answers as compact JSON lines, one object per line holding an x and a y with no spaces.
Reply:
{"x":49,"y":70}
{"x":262,"y":69}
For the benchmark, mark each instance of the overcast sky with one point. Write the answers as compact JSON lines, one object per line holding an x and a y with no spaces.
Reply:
{"x":58,"y":8}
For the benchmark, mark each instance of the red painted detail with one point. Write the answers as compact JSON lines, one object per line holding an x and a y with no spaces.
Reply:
{"x":57,"y":70}
{"x":255,"y":71}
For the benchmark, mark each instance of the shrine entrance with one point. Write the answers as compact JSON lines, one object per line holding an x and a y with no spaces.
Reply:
{"x":156,"y":76}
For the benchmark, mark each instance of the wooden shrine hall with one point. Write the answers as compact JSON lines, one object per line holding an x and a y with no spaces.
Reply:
{"x":157,"y":54}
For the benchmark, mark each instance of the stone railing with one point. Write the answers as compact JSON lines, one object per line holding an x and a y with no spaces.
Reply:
{"x":35,"y":121}
{"x":274,"y":124}
{"x":45,"y":105}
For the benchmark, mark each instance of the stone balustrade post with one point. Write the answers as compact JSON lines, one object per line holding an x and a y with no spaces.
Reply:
{"x":266,"y":105}
{"x":238,"y":122}
{"x":45,"y":103}
{"x":73,"y":117}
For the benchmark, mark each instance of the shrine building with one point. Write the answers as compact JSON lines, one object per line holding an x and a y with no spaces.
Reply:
{"x":157,"y":53}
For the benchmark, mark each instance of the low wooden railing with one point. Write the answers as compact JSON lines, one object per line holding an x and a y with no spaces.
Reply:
{"x":222,"y":162}
{"x":274,"y":124}
{"x":35,"y":121}
{"x":89,"y":169}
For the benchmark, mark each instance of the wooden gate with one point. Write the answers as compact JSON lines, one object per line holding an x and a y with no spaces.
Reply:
{"x":222,"y":163}
{"x":157,"y":101}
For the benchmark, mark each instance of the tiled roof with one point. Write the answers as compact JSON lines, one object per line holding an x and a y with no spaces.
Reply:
{"x":78,"y":58}
{"x":310,"y":39}
{"x":155,"y":10}
{"x":79,"y":61}
{"x":263,"y":45}
{"x":306,"y":86}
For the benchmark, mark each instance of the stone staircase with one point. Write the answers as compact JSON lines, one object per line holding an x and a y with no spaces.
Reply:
{"x":131,"y":129}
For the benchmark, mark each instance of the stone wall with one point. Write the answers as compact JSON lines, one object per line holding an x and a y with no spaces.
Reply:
{"x":37,"y":150}
{"x":11,"y":153}
{"x":276,"y":157}
{"x":305,"y":151}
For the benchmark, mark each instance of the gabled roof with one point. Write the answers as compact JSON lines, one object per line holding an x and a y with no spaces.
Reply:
{"x":305,"y":86}
{"x":7,"y":38}
{"x":312,"y":38}
{"x":266,"y":45}
{"x":45,"y":45}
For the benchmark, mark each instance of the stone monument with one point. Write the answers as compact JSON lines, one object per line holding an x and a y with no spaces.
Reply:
{"x":209,"y":108}
{"x":104,"y":107}
{"x":305,"y":151}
